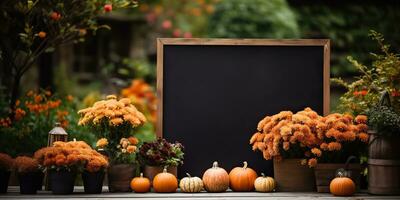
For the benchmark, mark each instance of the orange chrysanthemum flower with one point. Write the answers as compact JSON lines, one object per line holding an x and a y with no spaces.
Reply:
{"x":363,"y":137}
{"x":334,"y":146}
{"x":312,"y":162}
{"x":316,"y":152}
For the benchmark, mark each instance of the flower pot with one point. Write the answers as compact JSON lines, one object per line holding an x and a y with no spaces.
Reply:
{"x":39,"y":180}
{"x":151,"y":171}
{"x":28,"y":182}
{"x":384,"y":165}
{"x":93,"y":182}
{"x":4,"y":178}
{"x":291,"y":176}
{"x":325,"y":172}
{"x":120,"y":176}
{"x":62,"y":182}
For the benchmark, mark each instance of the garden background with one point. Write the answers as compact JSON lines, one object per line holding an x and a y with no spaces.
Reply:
{"x":121,"y":60}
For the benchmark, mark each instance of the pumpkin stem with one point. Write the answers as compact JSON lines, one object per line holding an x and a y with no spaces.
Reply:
{"x":215,"y":164}
{"x":244,"y":164}
{"x":165,"y":169}
{"x":262,"y":174}
{"x":141,"y":175}
{"x":188,"y":175}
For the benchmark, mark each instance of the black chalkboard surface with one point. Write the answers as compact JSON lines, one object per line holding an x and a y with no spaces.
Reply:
{"x":213,"y":92}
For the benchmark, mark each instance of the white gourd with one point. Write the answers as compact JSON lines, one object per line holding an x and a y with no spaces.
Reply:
{"x":264,"y":184}
{"x":191,"y":184}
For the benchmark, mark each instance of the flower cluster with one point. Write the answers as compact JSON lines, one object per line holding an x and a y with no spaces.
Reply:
{"x":112,"y":112}
{"x":6,"y":162}
{"x":24,"y":164}
{"x":161,"y":153}
{"x":143,"y":97}
{"x":73,"y":155}
{"x":123,"y":152}
{"x":307,"y":132}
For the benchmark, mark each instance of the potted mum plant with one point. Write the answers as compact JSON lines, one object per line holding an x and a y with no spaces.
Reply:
{"x":160,"y":154}
{"x":63,"y":161}
{"x":114,"y":120}
{"x":29,"y":174}
{"x":94,"y":171}
{"x":342,"y":138}
{"x":290,"y":139}
{"x":124,"y":153}
{"x":6,"y":163}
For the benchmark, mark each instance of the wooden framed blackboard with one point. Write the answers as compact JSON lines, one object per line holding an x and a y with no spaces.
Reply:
{"x":213,"y":92}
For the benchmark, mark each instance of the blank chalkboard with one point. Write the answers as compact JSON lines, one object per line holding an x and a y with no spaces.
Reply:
{"x":213,"y":92}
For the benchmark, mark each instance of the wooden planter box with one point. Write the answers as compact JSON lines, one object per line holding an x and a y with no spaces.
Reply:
{"x":291,"y":176}
{"x":325,"y":172}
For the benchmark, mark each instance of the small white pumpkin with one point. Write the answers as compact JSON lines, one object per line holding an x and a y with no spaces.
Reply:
{"x":191,"y":184}
{"x":264,"y":183}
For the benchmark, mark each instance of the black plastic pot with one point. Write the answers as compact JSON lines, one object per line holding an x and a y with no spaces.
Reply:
{"x":62,"y":182}
{"x":28,"y":182}
{"x":39,"y":180}
{"x":4,"y":178}
{"x":93,"y":182}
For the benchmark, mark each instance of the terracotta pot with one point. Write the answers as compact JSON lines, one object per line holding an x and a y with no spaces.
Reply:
{"x":151,"y":171}
{"x":4,"y":179}
{"x":384,"y":165}
{"x":325,"y":172}
{"x":291,"y":176}
{"x":93,"y":182}
{"x":120,"y":176}
{"x":62,"y":182}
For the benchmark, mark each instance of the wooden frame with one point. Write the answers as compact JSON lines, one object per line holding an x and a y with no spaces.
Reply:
{"x":245,"y":42}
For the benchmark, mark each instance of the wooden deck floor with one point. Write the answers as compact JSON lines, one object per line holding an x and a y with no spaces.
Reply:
{"x":13,"y":193}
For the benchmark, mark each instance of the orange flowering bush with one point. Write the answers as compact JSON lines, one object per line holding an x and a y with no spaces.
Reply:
{"x":24,"y":164}
{"x":114,"y":119}
{"x":307,"y":135}
{"x":6,"y":162}
{"x":74,"y":155}
{"x":143,"y":97}
{"x":34,"y":116}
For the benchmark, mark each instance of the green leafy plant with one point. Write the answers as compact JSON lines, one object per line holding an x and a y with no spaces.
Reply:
{"x":32,"y":27}
{"x":384,"y":75}
{"x":253,"y":19}
{"x":161,"y":153}
{"x":383,"y":118}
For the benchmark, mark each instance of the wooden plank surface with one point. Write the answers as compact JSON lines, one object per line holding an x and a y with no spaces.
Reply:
{"x":13,"y":193}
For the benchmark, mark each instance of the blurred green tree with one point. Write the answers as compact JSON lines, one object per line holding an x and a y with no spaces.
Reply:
{"x":32,"y":27}
{"x":253,"y":19}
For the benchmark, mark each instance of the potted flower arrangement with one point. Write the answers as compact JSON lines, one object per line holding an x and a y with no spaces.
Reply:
{"x":303,"y":137}
{"x":29,"y":174}
{"x":94,"y":172}
{"x":160,"y":154}
{"x":384,"y":159}
{"x":62,"y":162}
{"x":113,"y":120}
{"x":124,"y":154}
{"x":6,"y":163}
{"x":364,"y":96}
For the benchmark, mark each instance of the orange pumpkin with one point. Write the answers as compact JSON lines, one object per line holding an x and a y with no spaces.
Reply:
{"x":342,"y":186}
{"x":165,"y":182}
{"x":241,"y":179}
{"x":140,"y":184}
{"x":216,"y":179}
